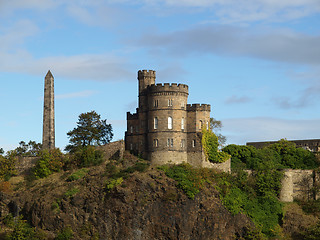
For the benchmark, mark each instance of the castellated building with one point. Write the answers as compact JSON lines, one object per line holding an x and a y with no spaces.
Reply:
{"x":165,"y":129}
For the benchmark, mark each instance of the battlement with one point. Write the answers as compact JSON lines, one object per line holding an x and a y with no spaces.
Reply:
{"x":146,"y":73}
{"x":167,"y":87}
{"x":198,"y":107}
{"x":131,"y":116}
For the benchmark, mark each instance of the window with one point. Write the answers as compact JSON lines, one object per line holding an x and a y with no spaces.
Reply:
{"x":200,"y":124}
{"x":169,"y":102}
{"x":207,"y":125}
{"x":182,"y":123}
{"x":169,"y":122}
{"x":131,"y":146}
{"x":155,"y":103}
{"x":193,"y":143}
{"x":170,"y":142}
{"x":155,"y":142}
{"x":131,"y":129}
{"x":182,"y":104}
{"x":182,"y":143}
{"x":155,"y":123}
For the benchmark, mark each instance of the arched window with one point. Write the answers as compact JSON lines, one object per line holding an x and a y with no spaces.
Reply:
{"x":155,"y":123}
{"x":207,"y":125}
{"x":182,"y":123}
{"x":200,"y":124}
{"x":169,"y":122}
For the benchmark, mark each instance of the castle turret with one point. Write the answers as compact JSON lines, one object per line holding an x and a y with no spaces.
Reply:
{"x":146,"y":78}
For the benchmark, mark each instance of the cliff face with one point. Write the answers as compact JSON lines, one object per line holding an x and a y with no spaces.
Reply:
{"x":144,"y":206}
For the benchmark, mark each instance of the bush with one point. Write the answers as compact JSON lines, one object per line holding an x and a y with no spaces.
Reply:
{"x":112,"y":183}
{"x":21,"y":231}
{"x":210,"y":145}
{"x":65,"y":234}
{"x":188,"y":179}
{"x":88,"y":156}
{"x":70,"y":193}
{"x":7,"y":166}
{"x":77,"y":175}
{"x":50,"y":161}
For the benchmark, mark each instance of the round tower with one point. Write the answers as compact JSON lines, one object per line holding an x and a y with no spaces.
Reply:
{"x":167,"y":122}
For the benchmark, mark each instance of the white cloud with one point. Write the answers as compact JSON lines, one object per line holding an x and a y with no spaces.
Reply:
{"x":281,"y":45}
{"x":237,"y":99}
{"x":242,"y":130}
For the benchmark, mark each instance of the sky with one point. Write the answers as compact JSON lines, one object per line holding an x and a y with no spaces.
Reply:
{"x":257,"y":62}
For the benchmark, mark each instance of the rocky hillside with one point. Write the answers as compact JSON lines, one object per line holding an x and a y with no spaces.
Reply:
{"x":141,"y":205}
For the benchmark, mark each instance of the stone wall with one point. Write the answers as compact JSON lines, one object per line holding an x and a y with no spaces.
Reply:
{"x":25,"y":164}
{"x":297,"y":184}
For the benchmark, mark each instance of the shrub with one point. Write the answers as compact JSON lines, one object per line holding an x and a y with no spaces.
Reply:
{"x":65,"y":234}
{"x":88,"y":156}
{"x":188,"y":179}
{"x":112,"y":183}
{"x":71,"y":192}
{"x":21,"y":231}
{"x":5,"y":187}
{"x":77,"y":175}
{"x":7,"y":166}
{"x":210,"y":145}
{"x":50,"y":161}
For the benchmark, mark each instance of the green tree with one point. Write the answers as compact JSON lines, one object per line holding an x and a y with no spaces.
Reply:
{"x":31,"y":148}
{"x":215,"y":126}
{"x":1,"y":151}
{"x":90,"y":130}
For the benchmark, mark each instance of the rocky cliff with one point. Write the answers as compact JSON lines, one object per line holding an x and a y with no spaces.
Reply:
{"x":145,"y":205}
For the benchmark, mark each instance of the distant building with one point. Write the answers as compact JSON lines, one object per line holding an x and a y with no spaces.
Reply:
{"x":165,"y":129}
{"x":312,"y":145}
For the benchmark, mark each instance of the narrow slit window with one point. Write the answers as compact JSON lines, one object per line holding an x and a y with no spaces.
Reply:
{"x":182,"y":123}
{"x":193,"y":143}
{"x":155,"y":123}
{"x":169,"y":122}
{"x":200,"y":124}
{"x":169,"y":102}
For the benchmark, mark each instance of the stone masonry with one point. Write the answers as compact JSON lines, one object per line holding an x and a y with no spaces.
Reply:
{"x":165,"y":129}
{"x":48,"y":135}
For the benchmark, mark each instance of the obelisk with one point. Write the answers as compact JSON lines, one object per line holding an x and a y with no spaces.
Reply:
{"x":48,"y":135}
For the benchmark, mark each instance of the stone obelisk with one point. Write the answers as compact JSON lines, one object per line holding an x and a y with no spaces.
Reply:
{"x":48,"y":135}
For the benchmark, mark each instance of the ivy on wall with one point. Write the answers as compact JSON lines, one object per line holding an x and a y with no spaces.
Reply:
{"x":210,"y":145}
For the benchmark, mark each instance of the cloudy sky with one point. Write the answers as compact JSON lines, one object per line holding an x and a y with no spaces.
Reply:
{"x":257,"y":62}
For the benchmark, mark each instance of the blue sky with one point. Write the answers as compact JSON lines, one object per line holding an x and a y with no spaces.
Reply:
{"x":257,"y":62}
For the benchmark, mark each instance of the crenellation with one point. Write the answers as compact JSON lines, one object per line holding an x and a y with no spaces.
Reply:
{"x":169,"y":129}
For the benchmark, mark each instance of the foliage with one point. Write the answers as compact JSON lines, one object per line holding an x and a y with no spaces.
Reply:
{"x":280,"y":155}
{"x":65,"y":234}
{"x":1,"y":151}
{"x":242,"y":195}
{"x":210,"y":145}
{"x":112,"y":171}
{"x":87,"y":156}
{"x":5,"y":187}
{"x":188,"y":179}
{"x":71,"y":192}
{"x":215,"y":126}
{"x":7,"y":166}
{"x":21,"y":230}
{"x":112,"y":183}
{"x":90,"y":130}
{"x":50,"y":161}
{"x":312,"y":233}
{"x":31,"y":148}
{"x":78,"y":174}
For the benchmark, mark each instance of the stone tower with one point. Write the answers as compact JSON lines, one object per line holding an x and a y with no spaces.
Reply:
{"x":48,"y":135}
{"x":165,"y":129}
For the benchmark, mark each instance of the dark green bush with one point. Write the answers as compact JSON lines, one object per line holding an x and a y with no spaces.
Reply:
{"x":87,"y":156}
{"x":65,"y":234}
{"x":50,"y":161}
